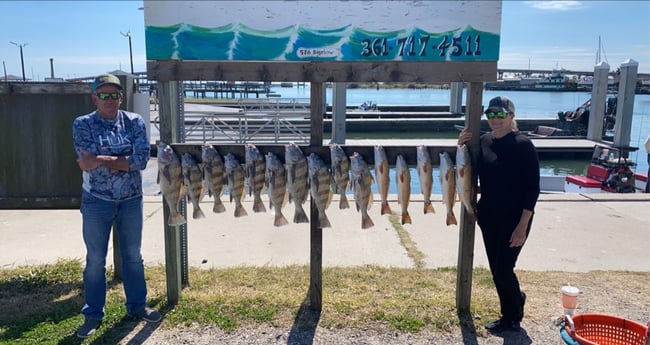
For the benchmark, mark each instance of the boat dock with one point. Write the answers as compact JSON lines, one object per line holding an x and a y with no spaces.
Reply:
{"x":279,"y":125}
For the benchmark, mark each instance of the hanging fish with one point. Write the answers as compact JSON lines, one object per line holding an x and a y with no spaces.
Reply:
{"x":464,"y":178}
{"x":362,"y":185}
{"x":297,"y":172}
{"x":425,"y":176}
{"x":214,"y":175}
{"x":382,"y":176}
{"x":255,"y":168}
{"x":193,"y":181}
{"x":448,"y":184}
{"x":403,"y":182}
{"x":235,"y":177}
{"x":319,"y":187}
{"x":276,"y":183}
{"x":341,"y":173}
{"x":170,"y":178}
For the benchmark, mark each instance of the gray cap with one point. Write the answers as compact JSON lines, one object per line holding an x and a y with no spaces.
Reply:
{"x":500,"y":103}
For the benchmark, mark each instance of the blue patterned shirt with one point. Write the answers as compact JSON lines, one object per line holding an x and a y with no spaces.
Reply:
{"x":123,"y":136}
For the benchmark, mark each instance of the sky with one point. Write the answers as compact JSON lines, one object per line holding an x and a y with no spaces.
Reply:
{"x":86,"y":38}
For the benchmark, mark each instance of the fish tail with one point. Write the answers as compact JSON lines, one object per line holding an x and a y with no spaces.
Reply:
{"x":451,"y":219}
{"x":385,"y":208}
{"x":406,"y":218}
{"x":280,"y":220}
{"x":258,"y":205}
{"x":343,"y":203}
{"x":366,"y":222}
{"x":324,"y":222}
{"x":428,"y":207}
{"x":240,"y":211}
{"x":218,"y":206}
{"x":198,"y":213}
{"x":176,"y":219}
{"x":300,"y":216}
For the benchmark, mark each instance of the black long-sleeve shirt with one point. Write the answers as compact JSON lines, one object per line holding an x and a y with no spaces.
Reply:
{"x":508,"y":172}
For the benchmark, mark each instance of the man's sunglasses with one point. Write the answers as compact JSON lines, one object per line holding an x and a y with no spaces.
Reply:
{"x":499,"y":114}
{"x":106,"y":95}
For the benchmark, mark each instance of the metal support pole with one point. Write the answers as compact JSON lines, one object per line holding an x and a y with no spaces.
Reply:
{"x":22,"y":61}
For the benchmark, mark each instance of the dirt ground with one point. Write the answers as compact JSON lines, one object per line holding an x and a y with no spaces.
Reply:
{"x":623,"y":294}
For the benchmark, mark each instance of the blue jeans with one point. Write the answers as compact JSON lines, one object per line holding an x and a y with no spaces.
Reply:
{"x":98,"y":216}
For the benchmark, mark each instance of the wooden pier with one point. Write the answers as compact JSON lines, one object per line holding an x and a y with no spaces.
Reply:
{"x":223,"y":89}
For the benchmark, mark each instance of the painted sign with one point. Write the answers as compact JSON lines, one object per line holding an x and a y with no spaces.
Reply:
{"x":322,"y":30}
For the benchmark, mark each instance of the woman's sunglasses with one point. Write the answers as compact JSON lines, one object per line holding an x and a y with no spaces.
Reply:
{"x":106,"y":95}
{"x":498,"y":114}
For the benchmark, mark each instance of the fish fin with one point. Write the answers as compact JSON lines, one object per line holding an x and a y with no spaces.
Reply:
{"x":385,"y":208}
{"x":370,"y":201}
{"x":280,"y":220}
{"x":428,"y":207}
{"x":300,"y":216}
{"x":451,"y":219}
{"x":324,"y":221}
{"x":406,"y":218}
{"x":198,"y":213}
{"x":240,"y":211}
{"x":366,"y":223}
{"x":218,"y":205}
{"x":343,"y":203}
{"x":258,"y":205}
{"x":176,"y":219}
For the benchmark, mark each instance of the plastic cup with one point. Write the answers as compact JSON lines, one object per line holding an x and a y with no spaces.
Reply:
{"x":569,"y":299}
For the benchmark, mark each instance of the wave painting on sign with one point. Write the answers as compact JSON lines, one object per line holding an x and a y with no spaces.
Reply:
{"x":323,"y":30}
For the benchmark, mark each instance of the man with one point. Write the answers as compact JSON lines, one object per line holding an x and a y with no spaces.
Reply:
{"x":112,"y":149}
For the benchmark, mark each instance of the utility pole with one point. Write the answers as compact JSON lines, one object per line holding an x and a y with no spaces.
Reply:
{"x":128,"y":34}
{"x":22,"y":62}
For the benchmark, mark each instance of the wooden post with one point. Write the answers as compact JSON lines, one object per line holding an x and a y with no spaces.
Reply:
{"x":456,"y":99}
{"x":338,"y":112}
{"x":467,"y":226}
{"x":168,"y":134}
{"x":598,"y":98}
{"x":315,"y":233}
{"x":625,"y":104}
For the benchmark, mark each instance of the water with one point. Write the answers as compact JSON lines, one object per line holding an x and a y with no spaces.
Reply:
{"x":529,"y":104}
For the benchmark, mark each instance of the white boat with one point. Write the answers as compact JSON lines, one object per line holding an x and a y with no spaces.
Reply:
{"x":557,"y":81}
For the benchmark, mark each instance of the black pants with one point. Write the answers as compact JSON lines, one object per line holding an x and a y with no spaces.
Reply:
{"x":497,"y":229}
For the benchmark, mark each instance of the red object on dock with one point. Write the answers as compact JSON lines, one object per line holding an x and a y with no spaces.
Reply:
{"x":593,"y":182}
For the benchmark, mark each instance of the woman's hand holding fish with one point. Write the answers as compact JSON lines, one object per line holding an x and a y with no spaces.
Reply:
{"x":464,"y":137}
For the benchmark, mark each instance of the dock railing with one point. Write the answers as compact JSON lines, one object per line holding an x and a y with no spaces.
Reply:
{"x":267,"y":121}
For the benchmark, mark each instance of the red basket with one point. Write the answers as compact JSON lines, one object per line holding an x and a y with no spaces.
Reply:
{"x":601,"y":329}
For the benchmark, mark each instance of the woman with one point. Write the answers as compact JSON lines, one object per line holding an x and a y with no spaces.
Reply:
{"x":508,"y":171}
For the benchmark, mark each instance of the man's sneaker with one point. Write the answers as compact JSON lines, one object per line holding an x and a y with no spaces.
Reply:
{"x":503,"y":325}
{"x":147,"y":314}
{"x":88,"y":328}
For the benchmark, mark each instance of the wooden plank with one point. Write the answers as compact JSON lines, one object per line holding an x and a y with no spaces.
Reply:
{"x":367,"y":151}
{"x":467,"y":225}
{"x":337,"y":71}
{"x":315,"y":291}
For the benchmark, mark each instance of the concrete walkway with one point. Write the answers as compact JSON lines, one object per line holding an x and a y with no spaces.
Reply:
{"x":571,"y":232}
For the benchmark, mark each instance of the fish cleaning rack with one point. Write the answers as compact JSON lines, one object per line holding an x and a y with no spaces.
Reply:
{"x":468,"y":72}
{"x":176,"y":241}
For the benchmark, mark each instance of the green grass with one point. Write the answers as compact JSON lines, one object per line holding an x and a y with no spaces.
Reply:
{"x":41,"y":304}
